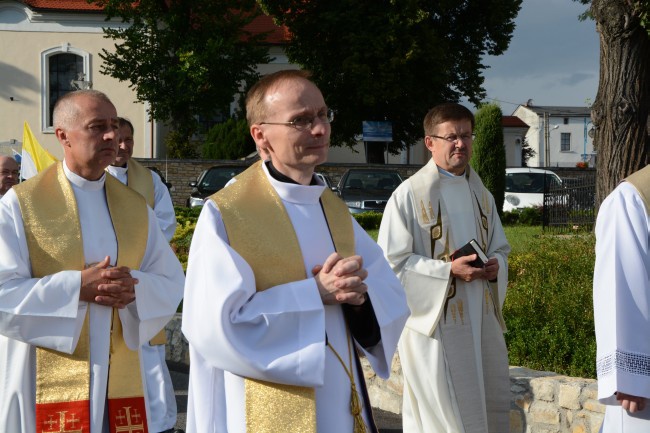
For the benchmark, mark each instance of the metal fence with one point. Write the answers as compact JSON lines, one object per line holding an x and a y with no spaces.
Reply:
{"x":571,"y":206}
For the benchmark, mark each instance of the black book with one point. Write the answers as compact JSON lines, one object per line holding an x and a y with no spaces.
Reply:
{"x":468,"y":249}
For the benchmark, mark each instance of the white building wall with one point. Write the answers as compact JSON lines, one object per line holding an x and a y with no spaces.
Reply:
{"x":513,"y":138}
{"x":577,"y":126}
{"x":24,"y":35}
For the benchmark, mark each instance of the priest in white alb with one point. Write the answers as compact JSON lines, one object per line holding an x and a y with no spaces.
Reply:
{"x":161,"y":396}
{"x":284,"y":289}
{"x":452,"y":351}
{"x":622,"y":305}
{"x":86,"y":277}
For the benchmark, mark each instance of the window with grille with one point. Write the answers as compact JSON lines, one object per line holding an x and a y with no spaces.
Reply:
{"x":565,"y":141}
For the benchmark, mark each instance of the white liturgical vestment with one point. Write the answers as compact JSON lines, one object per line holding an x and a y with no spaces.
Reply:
{"x":160,"y":390}
{"x":277,"y":335}
{"x":47,"y":312}
{"x":452,"y":350}
{"x":622,"y":307}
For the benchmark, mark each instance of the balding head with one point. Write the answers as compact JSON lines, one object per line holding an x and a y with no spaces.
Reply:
{"x":66,"y":110}
{"x":9,"y":173}
{"x":86,"y":125}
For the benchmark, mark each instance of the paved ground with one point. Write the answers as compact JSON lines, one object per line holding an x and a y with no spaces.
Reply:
{"x":386,"y":421}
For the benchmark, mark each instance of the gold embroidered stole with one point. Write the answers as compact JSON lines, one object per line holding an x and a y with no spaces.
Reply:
{"x":641,"y":181}
{"x":260,"y":230}
{"x":53,"y":235}
{"x":139,"y":178}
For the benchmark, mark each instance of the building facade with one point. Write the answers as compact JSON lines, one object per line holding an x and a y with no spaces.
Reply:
{"x":50,"y":47}
{"x":560,"y":136}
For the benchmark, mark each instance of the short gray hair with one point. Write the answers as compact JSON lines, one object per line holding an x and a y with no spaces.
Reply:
{"x":65,"y":112}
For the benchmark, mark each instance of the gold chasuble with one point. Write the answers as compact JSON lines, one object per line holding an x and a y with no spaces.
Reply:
{"x":53,"y":233}
{"x":260,"y":230}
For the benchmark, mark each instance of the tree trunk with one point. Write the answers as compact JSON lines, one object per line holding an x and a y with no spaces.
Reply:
{"x":620,"y":112}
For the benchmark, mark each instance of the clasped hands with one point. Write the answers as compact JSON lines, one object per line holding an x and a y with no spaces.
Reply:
{"x":340,"y":280}
{"x":461,"y":268}
{"x":109,"y":286}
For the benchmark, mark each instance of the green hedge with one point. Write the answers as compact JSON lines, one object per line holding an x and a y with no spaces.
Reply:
{"x":549,"y":307}
{"x":528,"y":216}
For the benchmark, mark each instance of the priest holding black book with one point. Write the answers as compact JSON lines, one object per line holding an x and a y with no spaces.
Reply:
{"x":435,"y":228}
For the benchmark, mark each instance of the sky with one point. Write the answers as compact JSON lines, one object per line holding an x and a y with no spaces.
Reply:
{"x":552,"y":58}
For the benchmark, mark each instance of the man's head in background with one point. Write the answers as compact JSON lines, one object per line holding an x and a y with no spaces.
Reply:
{"x":9,"y":173}
{"x":125,"y":142}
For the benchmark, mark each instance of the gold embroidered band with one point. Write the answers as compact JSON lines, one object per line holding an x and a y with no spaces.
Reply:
{"x":53,"y":235}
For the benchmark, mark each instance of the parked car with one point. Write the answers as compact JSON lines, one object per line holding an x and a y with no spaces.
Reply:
{"x":365,"y":190}
{"x":211,"y":181}
{"x":525,"y":187}
{"x":325,"y":178}
{"x":169,"y":186}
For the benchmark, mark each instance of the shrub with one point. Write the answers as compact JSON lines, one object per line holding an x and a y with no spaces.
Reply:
{"x":228,"y":140}
{"x":549,"y":307}
{"x":179,"y":146}
{"x":489,"y":153}
{"x":528,"y":216}
{"x":369,"y":220}
{"x":185,"y":224}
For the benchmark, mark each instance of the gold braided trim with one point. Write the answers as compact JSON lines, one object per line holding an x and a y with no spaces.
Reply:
{"x":260,"y":230}
{"x":356,"y":408}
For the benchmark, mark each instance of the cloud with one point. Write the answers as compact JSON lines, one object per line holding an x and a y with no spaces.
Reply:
{"x":553,"y":57}
{"x":575,"y":78}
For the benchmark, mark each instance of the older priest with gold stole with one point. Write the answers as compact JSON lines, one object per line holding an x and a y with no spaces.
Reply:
{"x":86,"y":277}
{"x":284,"y":287}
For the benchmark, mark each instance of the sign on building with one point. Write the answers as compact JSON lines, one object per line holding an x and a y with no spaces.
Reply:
{"x":377,"y":130}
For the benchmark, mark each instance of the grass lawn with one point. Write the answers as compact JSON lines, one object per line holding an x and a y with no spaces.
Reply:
{"x":519,"y":237}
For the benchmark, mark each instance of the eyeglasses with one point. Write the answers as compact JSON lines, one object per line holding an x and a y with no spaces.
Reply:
{"x":453,"y":138}
{"x":303,"y":123}
{"x":8,"y":172}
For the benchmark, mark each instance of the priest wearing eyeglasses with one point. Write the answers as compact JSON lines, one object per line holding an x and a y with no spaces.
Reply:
{"x":453,"y":354}
{"x":284,"y":289}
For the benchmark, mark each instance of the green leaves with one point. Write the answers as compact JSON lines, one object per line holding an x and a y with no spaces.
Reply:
{"x":489,"y":154}
{"x":390,"y":60}
{"x":549,"y":305}
{"x":186,"y":58}
{"x":228,"y":140}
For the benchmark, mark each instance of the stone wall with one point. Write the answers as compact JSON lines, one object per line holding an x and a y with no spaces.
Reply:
{"x":541,"y":402}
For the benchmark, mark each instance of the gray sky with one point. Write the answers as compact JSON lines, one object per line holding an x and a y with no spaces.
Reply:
{"x":552,"y":58}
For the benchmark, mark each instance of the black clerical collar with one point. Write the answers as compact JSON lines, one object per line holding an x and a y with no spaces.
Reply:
{"x":275,"y":174}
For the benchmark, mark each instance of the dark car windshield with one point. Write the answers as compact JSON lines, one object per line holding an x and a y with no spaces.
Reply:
{"x":216,"y":178}
{"x":377,"y":180}
{"x":530,"y":182}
